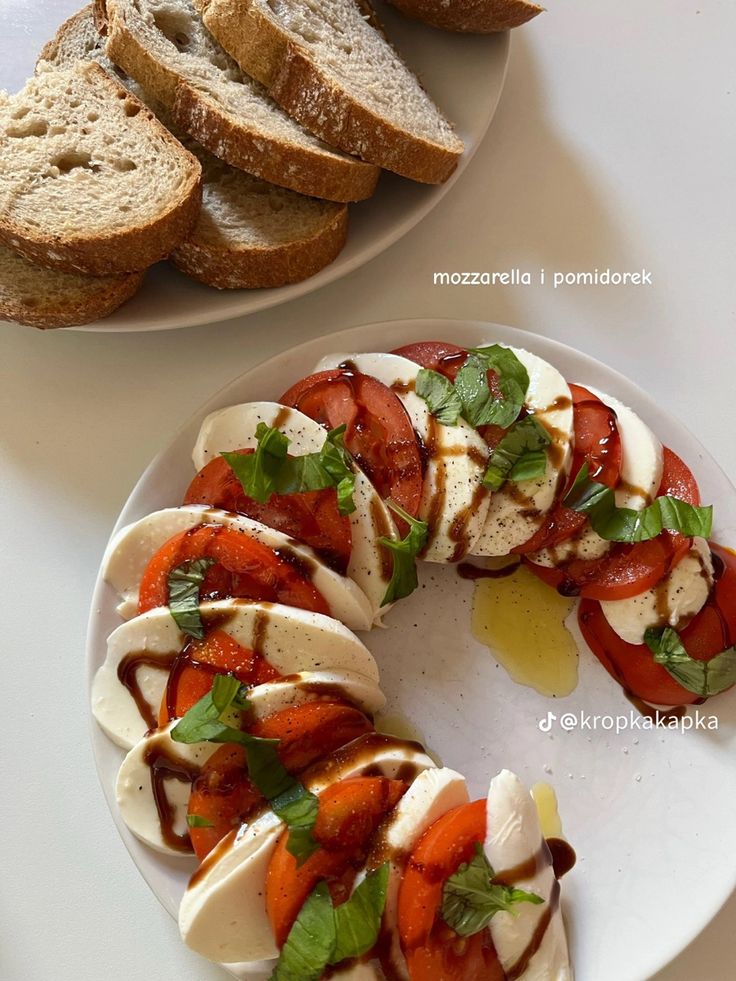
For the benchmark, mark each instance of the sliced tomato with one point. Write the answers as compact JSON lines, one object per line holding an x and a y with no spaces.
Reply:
{"x":379,"y":432}
{"x":223,"y":794}
{"x":633,"y":666}
{"x":433,"y":951}
{"x":448,"y":359}
{"x":311,"y":518}
{"x":194,"y":669}
{"x":349,"y":814}
{"x":243,"y":567}
{"x":597,"y":443}
{"x":627,"y":570}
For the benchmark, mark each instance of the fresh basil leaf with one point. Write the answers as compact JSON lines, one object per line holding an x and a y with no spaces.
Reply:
{"x":323,"y":935}
{"x":705,"y":678}
{"x":403,"y":580}
{"x":358,"y":921}
{"x":311,"y":940}
{"x":439,"y":393}
{"x":270,"y":470}
{"x":511,"y":372}
{"x":197,"y":821}
{"x":184,"y":583}
{"x":519,"y":455}
{"x":470,"y":899}
{"x":616,"y":524}
{"x":290,"y":800}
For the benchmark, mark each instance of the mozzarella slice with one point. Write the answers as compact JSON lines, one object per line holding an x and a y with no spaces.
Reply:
{"x":132,"y":548}
{"x":641,"y":475}
{"x":432,"y":794}
{"x":222,"y":914}
{"x":518,"y":509}
{"x":234,"y":428}
{"x":513,"y":840}
{"x":454,"y":502}
{"x":128,"y":687}
{"x":671,"y":603}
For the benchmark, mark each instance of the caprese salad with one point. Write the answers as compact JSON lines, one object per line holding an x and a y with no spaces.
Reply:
{"x":244,"y":699}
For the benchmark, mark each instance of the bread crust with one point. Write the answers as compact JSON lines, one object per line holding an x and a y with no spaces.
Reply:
{"x":131,"y":250}
{"x":75,"y":309}
{"x":299,"y":85}
{"x":298,"y":168}
{"x":261,"y":267}
{"x":470,"y":16}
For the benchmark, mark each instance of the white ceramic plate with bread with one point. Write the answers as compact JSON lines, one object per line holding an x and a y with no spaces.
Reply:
{"x":463,"y":74}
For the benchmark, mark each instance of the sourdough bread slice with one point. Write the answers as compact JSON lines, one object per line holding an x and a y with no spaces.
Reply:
{"x":249,"y":234}
{"x":165,"y":47}
{"x":328,"y":66}
{"x":40,"y":297}
{"x":90,"y":181}
{"x":470,"y":16}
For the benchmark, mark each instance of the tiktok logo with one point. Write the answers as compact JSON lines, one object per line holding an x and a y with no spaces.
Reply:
{"x":545,"y":725}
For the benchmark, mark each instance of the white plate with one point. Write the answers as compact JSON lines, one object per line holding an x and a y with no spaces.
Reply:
{"x":465,"y":75}
{"x":651,"y":819}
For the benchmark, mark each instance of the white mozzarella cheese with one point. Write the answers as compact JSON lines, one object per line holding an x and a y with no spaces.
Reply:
{"x":671,"y":603}
{"x":132,"y":548}
{"x":454,"y":502}
{"x":641,"y":475}
{"x":518,"y":509}
{"x":293,"y":641}
{"x":222,"y":914}
{"x":234,"y":428}
{"x":513,"y":837}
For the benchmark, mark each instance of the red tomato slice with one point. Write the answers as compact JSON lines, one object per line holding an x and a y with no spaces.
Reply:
{"x":633,"y":666}
{"x":448,"y":359}
{"x":433,"y":951}
{"x":597,"y":443}
{"x":243,"y":567}
{"x":349,"y":814}
{"x":193,"y":672}
{"x":379,"y":432}
{"x":627,"y":570}
{"x":311,"y":518}
{"x":223,"y":793}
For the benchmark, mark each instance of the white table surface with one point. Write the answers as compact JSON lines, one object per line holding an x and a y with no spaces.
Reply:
{"x":615,"y":145}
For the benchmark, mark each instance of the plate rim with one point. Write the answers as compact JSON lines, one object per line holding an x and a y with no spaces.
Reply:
{"x":624,"y":388}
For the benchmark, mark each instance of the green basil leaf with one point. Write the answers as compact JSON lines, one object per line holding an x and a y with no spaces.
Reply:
{"x":519,"y":455}
{"x":403,"y":580}
{"x":470,"y":899}
{"x":439,"y":393}
{"x":184,"y":583}
{"x":511,"y":372}
{"x":197,"y":821}
{"x":704,"y":678}
{"x":290,"y":800}
{"x":358,"y":921}
{"x":311,"y":941}
{"x":616,"y":524}
{"x":323,"y":934}
{"x":270,"y":470}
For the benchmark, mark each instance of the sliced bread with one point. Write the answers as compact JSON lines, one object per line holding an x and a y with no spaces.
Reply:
{"x":40,"y":297}
{"x":249,"y":234}
{"x":328,"y":66}
{"x":470,"y":16}
{"x":165,"y":47}
{"x":90,"y":181}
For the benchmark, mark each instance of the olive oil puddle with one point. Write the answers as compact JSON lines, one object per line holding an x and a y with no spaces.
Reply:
{"x":545,"y":799}
{"x":522,"y":622}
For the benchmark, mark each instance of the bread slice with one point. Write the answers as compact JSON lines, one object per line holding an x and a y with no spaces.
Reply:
{"x":90,"y":181}
{"x":470,"y":16}
{"x":40,"y":297}
{"x":164,"y":46}
{"x":329,"y":67}
{"x":249,"y":234}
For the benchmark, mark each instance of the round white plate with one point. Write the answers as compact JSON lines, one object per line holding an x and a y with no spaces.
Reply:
{"x":650,"y":813}
{"x":464,"y":74}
